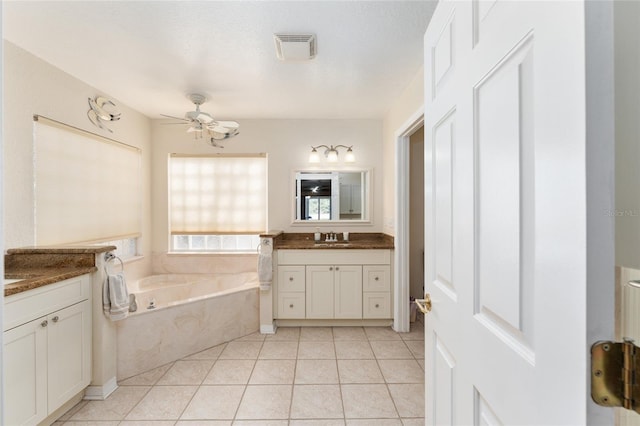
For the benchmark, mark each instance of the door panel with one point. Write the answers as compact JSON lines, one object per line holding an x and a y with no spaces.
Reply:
{"x":444,"y":373}
{"x":504,"y":219}
{"x":444,"y":141}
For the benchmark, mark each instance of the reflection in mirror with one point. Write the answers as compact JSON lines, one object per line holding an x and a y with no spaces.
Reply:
{"x":331,"y":196}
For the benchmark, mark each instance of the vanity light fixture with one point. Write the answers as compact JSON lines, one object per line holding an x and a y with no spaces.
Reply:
{"x":331,"y":153}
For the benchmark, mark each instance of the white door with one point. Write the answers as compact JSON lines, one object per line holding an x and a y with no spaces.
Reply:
{"x":505,"y":214}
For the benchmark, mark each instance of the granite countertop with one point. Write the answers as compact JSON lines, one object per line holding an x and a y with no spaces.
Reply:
{"x":360,"y":240}
{"x":35,"y":278}
{"x":39,"y":266}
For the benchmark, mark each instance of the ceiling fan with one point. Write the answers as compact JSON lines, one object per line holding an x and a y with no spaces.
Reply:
{"x":202,"y":123}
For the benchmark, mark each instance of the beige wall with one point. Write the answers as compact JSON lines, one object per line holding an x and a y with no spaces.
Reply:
{"x":32,"y":86}
{"x":287,"y":144}
{"x":405,"y":107}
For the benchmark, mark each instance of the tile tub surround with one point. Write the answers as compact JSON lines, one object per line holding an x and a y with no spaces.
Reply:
{"x":153,"y":338}
{"x":40,"y":266}
{"x":240,"y":383}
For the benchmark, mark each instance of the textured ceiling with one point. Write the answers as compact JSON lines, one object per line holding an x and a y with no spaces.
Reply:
{"x":149,"y":55}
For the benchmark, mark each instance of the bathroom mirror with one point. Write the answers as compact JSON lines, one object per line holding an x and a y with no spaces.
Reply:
{"x":331,"y":196}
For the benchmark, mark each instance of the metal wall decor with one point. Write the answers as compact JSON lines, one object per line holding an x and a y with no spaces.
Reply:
{"x":102,"y":109}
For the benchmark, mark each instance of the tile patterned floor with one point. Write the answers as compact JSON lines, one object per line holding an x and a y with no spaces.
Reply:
{"x":299,"y":376}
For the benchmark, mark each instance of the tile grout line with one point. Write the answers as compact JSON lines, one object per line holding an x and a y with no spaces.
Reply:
{"x":246,"y":385}
{"x":197,"y":388}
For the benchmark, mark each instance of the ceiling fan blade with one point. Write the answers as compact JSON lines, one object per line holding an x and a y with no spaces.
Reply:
{"x":176,"y":118}
{"x":229,"y":124}
{"x":219,"y":129}
{"x":204,"y":118}
{"x":224,"y":135}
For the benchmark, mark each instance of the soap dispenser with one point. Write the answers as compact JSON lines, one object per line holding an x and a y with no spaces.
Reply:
{"x":317,"y":235}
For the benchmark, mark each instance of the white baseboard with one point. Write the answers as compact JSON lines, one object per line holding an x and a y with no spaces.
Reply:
{"x":268,"y":328}
{"x":100,"y":393}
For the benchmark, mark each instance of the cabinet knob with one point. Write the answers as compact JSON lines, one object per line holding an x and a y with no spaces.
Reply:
{"x":377,"y":278}
{"x":55,"y":319}
{"x":337,"y":268}
{"x":291,"y":305}
{"x":331,"y":268}
{"x":377,"y":305}
{"x":290,"y":278}
{"x":44,"y":323}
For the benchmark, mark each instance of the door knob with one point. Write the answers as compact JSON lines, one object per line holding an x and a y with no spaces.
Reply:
{"x":424,"y":305}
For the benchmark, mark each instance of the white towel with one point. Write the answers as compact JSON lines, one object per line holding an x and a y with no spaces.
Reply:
{"x":115,"y":297}
{"x":265,"y":270}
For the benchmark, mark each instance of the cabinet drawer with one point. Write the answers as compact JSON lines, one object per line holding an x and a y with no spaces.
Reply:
{"x":291,"y":305}
{"x":291,"y":278}
{"x":376,"y":305}
{"x":376,"y":278}
{"x":28,"y":305}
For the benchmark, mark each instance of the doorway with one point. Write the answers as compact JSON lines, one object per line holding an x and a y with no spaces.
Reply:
{"x":409,"y":222}
{"x":416,"y":215}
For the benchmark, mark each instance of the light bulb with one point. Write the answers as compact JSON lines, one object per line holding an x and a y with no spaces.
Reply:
{"x":314,"y":157}
{"x":349,"y":156}
{"x":332,"y":155}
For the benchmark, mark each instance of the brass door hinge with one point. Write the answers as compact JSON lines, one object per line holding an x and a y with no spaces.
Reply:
{"x":614,"y":367}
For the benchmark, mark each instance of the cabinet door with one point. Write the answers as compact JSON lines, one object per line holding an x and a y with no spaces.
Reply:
{"x":348,"y":291}
{"x":319,"y":294}
{"x":69,"y":344}
{"x":25,"y":373}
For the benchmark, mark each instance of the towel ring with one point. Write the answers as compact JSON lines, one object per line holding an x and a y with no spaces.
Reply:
{"x":108,"y":257}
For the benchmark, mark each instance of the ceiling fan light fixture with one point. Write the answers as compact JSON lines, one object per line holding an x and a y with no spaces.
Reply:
{"x":295,"y":47}
{"x":201,"y":122}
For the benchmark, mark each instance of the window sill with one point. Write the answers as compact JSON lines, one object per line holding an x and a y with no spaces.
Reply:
{"x":212,"y":254}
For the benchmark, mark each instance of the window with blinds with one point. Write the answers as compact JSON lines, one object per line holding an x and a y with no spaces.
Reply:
{"x":87,"y":187}
{"x":217,"y":202}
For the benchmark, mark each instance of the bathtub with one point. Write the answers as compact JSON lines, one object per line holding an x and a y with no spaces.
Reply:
{"x":181,"y":314}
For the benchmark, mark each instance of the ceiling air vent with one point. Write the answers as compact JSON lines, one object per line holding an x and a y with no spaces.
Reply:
{"x":295,"y":47}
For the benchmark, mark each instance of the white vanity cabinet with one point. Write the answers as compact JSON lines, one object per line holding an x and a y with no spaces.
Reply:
{"x":47,"y":349}
{"x":346,"y":284}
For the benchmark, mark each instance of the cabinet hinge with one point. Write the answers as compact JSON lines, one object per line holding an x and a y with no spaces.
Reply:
{"x":615,"y":370}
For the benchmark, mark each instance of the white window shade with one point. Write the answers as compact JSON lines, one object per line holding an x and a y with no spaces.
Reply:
{"x":221,"y":194}
{"x":87,"y":188}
